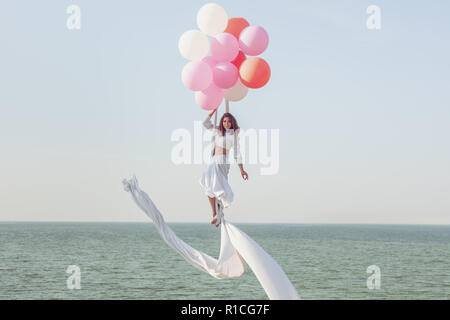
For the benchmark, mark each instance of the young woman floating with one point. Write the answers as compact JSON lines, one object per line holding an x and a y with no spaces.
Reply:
{"x":214,"y":179}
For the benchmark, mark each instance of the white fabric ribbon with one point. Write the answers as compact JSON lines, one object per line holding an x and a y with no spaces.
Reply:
{"x":236,"y":249}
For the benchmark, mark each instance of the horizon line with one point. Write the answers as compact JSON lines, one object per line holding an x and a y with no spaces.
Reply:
{"x":296,"y":223}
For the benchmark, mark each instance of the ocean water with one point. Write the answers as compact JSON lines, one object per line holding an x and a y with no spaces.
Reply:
{"x":131,"y":261}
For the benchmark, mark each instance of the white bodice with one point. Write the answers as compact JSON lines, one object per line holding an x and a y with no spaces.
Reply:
{"x":228,"y":141}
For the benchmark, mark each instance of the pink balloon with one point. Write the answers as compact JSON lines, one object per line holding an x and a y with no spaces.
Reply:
{"x":224,"y":47}
{"x":225,"y":75}
{"x":196,"y":75}
{"x":253,"y":40}
{"x":210,"y":61}
{"x":210,"y":98}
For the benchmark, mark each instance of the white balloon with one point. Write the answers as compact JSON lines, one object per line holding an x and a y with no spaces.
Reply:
{"x":236,"y":92}
{"x":212,"y":19}
{"x":193,"y":45}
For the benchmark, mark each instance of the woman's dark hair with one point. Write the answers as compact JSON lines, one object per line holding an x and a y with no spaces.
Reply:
{"x":234,"y":124}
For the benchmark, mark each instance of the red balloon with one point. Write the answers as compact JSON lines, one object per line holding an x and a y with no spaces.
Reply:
{"x":236,"y":25}
{"x":254,"y":72}
{"x":239,"y":59}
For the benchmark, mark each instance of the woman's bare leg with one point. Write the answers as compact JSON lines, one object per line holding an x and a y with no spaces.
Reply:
{"x":212,"y":201}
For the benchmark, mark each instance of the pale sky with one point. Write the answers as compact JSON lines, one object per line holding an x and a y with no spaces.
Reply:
{"x":363,"y":115}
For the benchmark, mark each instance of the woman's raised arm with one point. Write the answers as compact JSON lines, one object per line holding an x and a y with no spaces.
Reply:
{"x":207,"y":123}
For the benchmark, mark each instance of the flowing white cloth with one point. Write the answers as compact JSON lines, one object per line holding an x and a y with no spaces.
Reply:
{"x":236,"y":248}
{"x":214,"y":180}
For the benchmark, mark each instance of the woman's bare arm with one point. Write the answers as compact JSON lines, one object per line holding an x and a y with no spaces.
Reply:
{"x":211,"y":113}
{"x":207,"y":122}
{"x":243,"y":173}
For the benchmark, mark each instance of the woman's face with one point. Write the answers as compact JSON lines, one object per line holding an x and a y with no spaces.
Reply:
{"x":226,"y":123}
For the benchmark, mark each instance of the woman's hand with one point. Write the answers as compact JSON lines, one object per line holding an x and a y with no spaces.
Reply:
{"x":244,"y":175}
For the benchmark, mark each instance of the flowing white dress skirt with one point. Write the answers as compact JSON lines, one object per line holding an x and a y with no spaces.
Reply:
{"x":214,"y":180}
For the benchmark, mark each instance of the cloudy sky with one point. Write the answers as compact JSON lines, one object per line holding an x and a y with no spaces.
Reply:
{"x":363,"y":115}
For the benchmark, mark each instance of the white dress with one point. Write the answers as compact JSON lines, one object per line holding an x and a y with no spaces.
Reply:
{"x":214,"y":180}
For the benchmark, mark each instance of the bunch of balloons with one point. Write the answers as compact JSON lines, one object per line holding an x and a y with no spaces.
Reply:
{"x":227,"y":72}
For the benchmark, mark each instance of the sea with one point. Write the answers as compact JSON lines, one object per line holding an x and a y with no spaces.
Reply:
{"x":98,"y":260}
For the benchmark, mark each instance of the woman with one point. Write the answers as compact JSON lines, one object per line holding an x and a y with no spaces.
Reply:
{"x":215,"y":178}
